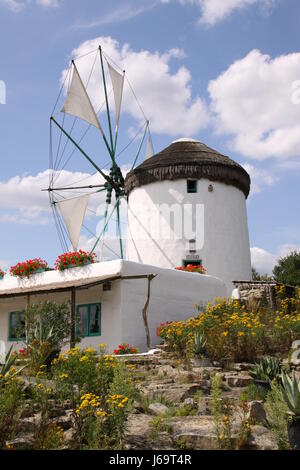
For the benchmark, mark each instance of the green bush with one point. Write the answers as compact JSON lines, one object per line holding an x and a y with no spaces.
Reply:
{"x":11,"y":401}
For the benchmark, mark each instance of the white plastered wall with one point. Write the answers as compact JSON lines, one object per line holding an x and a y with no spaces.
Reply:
{"x":173,"y":296}
{"x":226,"y":250}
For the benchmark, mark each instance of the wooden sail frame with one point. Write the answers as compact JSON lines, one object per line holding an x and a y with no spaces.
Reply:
{"x":114,"y":181}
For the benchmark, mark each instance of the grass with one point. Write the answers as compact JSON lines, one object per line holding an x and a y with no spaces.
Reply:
{"x":253,"y":392}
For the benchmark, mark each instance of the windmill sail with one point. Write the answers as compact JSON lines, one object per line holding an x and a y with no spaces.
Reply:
{"x":149,"y":150}
{"x":78,"y":102}
{"x":118,"y":84}
{"x":73,"y":211}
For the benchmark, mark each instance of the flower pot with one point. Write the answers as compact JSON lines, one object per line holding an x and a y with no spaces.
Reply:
{"x":294,"y":434}
{"x":201,"y":362}
{"x":38,"y":271}
{"x":85,"y":263}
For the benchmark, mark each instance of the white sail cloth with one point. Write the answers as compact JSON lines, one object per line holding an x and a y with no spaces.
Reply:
{"x":73,"y":211}
{"x":117,"y":81}
{"x":149,"y":150}
{"x":78,"y":102}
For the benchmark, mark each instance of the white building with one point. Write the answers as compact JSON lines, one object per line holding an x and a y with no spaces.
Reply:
{"x":187,"y":204}
{"x":205,"y":193}
{"x":109,"y":298}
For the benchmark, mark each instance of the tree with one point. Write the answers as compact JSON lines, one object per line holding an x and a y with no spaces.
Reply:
{"x":287,"y":270}
{"x":48,"y":327}
{"x":260,"y":277}
{"x":50,"y":322}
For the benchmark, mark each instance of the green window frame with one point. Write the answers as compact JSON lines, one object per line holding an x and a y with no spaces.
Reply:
{"x":195,"y":262}
{"x":192,"y":186}
{"x":89,"y":320}
{"x":16,"y":323}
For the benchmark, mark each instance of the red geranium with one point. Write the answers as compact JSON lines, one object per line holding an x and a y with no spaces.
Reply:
{"x":125,"y":349}
{"x":77,"y":258}
{"x":26,"y":268}
{"x":191,"y":268}
{"x":24,"y":353}
{"x":161,"y":326}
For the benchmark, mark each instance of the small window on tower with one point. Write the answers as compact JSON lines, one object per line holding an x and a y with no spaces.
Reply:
{"x":191,"y":186}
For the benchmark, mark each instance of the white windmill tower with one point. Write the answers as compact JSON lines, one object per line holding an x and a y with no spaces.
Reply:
{"x":187,"y":204}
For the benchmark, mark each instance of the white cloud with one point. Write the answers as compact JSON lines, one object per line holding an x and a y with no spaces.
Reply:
{"x":215,"y":11}
{"x":48,"y":3}
{"x":13,"y":5}
{"x":260,"y":179}
{"x":18,"y":5}
{"x":165,"y":96}
{"x":23,"y":202}
{"x":123,"y":13}
{"x":252,"y":102}
{"x":264,"y":261}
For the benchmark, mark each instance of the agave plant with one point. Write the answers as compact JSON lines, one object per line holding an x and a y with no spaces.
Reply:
{"x":291,"y":394}
{"x":199,"y":344}
{"x":267,"y":369}
{"x":9,"y":362}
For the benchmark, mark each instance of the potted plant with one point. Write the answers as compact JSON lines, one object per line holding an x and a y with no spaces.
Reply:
{"x":74,"y":260}
{"x":200,"y":359}
{"x":266,"y":370}
{"x":125,"y":348}
{"x":29,"y":267}
{"x":191,"y":268}
{"x":2,"y":273}
{"x":291,"y":395}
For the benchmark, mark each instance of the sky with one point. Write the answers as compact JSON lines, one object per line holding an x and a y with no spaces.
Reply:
{"x":226,"y":72}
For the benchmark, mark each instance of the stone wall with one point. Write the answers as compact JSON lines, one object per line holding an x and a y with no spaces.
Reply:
{"x":261,"y":292}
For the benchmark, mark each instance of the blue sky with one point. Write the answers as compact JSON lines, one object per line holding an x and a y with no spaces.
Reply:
{"x":217,"y":70}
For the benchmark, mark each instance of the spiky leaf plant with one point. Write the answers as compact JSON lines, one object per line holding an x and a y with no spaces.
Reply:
{"x":291,"y":394}
{"x":267,"y":369}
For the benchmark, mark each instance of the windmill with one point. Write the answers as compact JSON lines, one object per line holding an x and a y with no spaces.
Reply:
{"x":70,"y":201}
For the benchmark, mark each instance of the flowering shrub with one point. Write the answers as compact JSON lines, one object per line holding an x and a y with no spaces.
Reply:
{"x":125,"y":349}
{"x":190,"y":268}
{"x":88,"y":379}
{"x":77,"y":258}
{"x":1,"y":274}
{"x":28,"y":267}
{"x":233,"y":333}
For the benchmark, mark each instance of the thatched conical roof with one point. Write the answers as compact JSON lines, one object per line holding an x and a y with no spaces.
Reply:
{"x":187,"y":158}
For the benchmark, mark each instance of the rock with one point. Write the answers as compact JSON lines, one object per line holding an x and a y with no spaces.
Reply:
{"x":64,"y":422}
{"x":195,"y":432}
{"x":68,"y":436}
{"x":166,"y":371}
{"x":174,"y":393}
{"x":204,"y":406}
{"x":242,"y":366}
{"x":238,"y":381}
{"x":140,"y":435}
{"x":29,"y":424}
{"x":257,"y":412}
{"x":56,"y":412}
{"x":201,"y":373}
{"x":185,"y":376}
{"x":137,"y":407}
{"x":189,"y":402}
{"x":25,"y":442}
{"x":157,"y":409}
{"x":27,"y":411}
{"x":261,"y":438}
